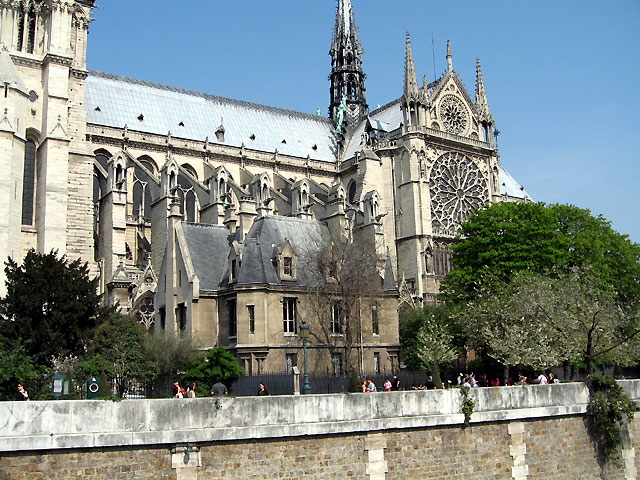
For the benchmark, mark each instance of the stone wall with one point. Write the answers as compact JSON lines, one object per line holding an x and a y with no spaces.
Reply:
{"x":533,"y":432}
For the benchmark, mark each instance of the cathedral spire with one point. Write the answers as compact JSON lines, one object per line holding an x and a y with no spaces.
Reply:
{"x":347,"y":92}
{"x":449,"y":56}
{"x":482,"y":103}
{"x":410,"y":77}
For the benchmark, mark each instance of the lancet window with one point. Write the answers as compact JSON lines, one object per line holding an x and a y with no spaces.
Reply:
{"x":26,"y":23}
{"x":28,"y":182}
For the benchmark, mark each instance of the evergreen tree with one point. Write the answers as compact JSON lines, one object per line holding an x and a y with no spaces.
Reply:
{"x":51,"y":304}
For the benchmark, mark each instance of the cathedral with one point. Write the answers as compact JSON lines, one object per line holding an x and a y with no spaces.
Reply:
{"x":237,"y":223}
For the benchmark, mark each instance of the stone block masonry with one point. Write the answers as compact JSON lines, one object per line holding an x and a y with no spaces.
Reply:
{"x":533,"y":432}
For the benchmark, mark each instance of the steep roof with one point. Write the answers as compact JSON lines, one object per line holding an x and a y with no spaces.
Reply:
{"x":510,"y":186}
{"x":307,"y":237}
{"x":116,"y":101}
{"x":8,"y":72}
{"x":209,"y":248}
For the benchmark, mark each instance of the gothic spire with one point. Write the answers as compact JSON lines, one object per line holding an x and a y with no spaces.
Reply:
{"x":347,"y":94}
{"x":482,"y":103}
{"x":410,"y":77}
{"x":449,"y":56}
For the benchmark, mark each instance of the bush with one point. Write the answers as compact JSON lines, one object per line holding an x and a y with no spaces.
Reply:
{"x":608,"y":407}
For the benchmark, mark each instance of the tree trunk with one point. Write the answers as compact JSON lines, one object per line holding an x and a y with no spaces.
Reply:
{"x":435,"y":373}
{"x":505,"y":374}
{"x":566,"y":366}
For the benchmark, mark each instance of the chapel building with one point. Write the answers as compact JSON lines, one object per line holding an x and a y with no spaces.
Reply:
{"x":234,"y":222}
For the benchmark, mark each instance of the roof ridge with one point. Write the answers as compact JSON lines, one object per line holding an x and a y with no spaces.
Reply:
{"x":385,"y":106}
{"x":207,"y":96}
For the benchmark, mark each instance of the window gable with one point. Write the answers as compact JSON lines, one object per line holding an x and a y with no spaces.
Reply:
{"x":286,"y":261}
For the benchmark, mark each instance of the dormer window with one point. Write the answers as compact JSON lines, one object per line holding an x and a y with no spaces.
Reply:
{"x":235,"y":260}
{"x":234,"y":270}
{"x":287,"y":266}
{"x":285,"y":260}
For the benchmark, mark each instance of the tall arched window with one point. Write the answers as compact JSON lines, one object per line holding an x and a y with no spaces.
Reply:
{"x":26,"y":22}
{"x":28,"y":182}
{"x":141,"y":192}
{"x":188,"y":200}
{"x":352,"y":192}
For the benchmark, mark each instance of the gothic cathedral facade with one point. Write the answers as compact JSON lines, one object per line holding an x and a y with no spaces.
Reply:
{"x":214,"y":218}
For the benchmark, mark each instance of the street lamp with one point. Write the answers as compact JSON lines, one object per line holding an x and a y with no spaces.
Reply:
{"x":304,"y":334}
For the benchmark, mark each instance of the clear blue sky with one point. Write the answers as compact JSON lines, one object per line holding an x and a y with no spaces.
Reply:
{"x":562,"y":77}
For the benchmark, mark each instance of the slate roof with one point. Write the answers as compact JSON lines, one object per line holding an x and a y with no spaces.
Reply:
{"x":114,"y":101}
{"x":510,"y":186}
{"x":209,"y":249}
{"x":307,"y":237}
{"x":9,"y":73}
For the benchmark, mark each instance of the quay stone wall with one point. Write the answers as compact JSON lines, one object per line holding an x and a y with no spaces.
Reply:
{"x":532,"y":432}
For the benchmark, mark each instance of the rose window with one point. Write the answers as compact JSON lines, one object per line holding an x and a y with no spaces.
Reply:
{"x":458,"y":189}
{"x":453,"y":114}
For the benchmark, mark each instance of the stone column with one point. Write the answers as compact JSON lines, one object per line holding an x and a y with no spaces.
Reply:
{"x":518,"y":451}
{"x":376,"y":466}
{"x":185,"y":460}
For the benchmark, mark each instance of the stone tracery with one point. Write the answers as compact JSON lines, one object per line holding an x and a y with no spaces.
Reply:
{"x":454,"y":115}
{"x":458,"y":188}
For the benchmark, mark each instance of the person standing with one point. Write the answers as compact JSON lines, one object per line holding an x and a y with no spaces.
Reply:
{"x":177,"y":390}
{"x":191,"y":390}
{"x":395,"y":383}
{"x":22,"y":395}
{"x":219,"y":389}
{"x":542,"y":379}
{"x":371,"y":387}
{"x":262,"y":390}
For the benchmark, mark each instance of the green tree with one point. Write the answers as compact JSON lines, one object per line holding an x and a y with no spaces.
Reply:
{"x":118,"y":347}
{"x":505,"y":238}
{"x":16,"y":366}
{"x":499,"y":240}
{"x":169,"y":354}
{"x":593,"y":243}
{"x":428,"y":339}
{"x":218,"y":362}
{"x":51,"y":304}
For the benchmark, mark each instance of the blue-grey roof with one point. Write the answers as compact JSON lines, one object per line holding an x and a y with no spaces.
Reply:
{"x":8,"y":72}
{"x":307,"y":237}
{"x":510,"y":186}
{"x":209,"y":249}
{"x":116,"y":101}
{"x":386,"y":118}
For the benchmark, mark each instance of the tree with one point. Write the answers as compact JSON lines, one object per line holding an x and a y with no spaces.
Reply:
{"x":593,"y":243}
{"x":118,"y":347}
{"x":51,"y":304}
{"x":169,"y":354}
{"x":500,"y":240}
{"x":218,"y":362}
{"x":428,"y":339}
{"x":538,"y":321}
{"x":16,"y":366}
{"x":346,"y":292}
{"x":507,"y":323}
{"x":504,"y":238}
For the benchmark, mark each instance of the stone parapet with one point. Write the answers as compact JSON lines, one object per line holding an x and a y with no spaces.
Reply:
{"x":54,"y":425}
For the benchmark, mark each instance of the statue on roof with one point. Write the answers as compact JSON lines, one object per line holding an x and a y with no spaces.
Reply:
{"x":342,"y":108}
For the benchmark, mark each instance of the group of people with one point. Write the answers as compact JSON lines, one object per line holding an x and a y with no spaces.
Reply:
{"x":388,"y":385}
{"x":541,"y":379}
{"x":218,"y":389}
{"x":179,"y":392}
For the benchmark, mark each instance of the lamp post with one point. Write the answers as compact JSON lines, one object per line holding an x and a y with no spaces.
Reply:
{"x":304,"y":334}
